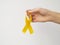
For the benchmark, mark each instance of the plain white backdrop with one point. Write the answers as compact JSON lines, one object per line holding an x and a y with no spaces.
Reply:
{"x":12,"y":15}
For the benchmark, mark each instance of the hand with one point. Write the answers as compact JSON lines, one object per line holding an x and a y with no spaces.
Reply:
{"x":39,"y":15}
{"x":44,"y":15}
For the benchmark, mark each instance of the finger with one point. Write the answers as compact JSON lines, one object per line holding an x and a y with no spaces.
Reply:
{"x":34,"y":18}
{"x":28,"y":12}
{"x":38,"y":18}
{"x":33,"y":11}
{"x":42,"y":18}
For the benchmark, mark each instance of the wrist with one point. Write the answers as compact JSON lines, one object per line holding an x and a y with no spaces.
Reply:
{"x":55,"y":17}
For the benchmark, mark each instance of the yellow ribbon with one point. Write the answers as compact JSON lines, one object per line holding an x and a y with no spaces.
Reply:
{"x":28,"y":26}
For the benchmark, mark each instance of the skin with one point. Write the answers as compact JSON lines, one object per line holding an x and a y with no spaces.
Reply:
{"x":44,"y":15}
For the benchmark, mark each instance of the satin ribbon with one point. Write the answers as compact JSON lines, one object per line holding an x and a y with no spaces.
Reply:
{"x":28,"y":25}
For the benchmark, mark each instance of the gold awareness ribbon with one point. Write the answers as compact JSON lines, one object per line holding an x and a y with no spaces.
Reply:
{"x":28,"y":26}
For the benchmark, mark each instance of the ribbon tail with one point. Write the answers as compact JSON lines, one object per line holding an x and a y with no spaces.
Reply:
{"x":24,"y":29}
{"x":30,"y":30}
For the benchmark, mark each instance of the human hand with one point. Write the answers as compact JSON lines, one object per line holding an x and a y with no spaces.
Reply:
{"x":44,"y":15}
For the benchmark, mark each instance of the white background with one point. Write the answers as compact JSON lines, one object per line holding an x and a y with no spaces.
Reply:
{"x":12,"y":15}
